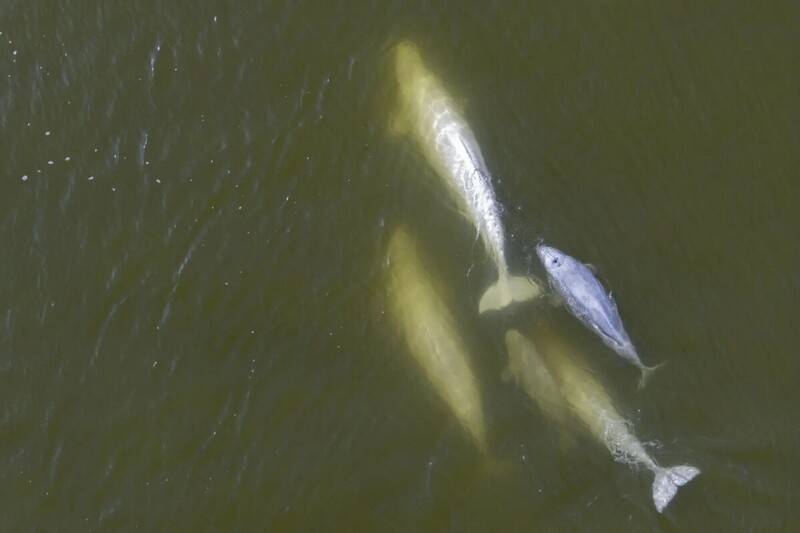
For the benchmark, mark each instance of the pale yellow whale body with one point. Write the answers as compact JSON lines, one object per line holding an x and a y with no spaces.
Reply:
{"x":528,"y":369}
{"x":433,"y":336}
{"x":551,"y":364}
{"x":427,"y":114}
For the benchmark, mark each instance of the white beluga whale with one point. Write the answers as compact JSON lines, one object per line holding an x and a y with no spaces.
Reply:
{"x":432,"y":335}
{"x":556,"y":363}
{"x":588,"y":301}
{"x":428,"y":115}
{"x":528,"y":370}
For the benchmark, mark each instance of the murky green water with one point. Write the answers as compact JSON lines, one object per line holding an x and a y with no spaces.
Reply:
{"x":195,"y":201}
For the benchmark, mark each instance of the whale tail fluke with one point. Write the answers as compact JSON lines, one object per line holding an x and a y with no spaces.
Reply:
{"x":506,"y":290}
{"x":647,"y":372}
{"x":667,"y":481}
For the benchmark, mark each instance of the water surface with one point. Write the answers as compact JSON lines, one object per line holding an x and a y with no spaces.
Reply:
{"x":194,"y":205}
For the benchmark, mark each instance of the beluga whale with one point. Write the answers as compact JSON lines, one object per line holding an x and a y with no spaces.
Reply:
{"x":587,"y":300}
{"x":433,"y":336}
{"x":555,"y":376}
{"x":429,"y":116}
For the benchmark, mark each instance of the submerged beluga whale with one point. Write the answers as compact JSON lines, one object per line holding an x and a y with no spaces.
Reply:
{"x":558,"y":381}
{"x":433,"y":336}
{"x":428,"y":115}
{"x":588,"y":301}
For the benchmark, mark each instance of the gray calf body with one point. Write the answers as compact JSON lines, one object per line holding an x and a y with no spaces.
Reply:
{"x":589,"y":302}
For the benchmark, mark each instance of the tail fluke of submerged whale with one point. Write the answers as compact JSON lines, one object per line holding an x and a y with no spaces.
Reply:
{"x":667,"y":481}
{"x":647,"y":372}
{"x":506,"y":290}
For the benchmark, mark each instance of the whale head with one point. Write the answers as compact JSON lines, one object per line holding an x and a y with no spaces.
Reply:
{"x":552,"y":259}
{"x":407,"y":61}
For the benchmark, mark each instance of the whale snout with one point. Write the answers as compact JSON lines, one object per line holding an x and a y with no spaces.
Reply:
{"x":547,"y":255}
{"x":408,"y":61}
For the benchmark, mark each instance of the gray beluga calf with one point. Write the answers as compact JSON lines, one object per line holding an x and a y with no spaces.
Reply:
{"x":429,"y":116}
{"x":588,"y":301}
{"x":555,"y":377}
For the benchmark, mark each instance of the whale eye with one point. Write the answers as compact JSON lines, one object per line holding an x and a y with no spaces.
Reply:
{"x":555,"y":260}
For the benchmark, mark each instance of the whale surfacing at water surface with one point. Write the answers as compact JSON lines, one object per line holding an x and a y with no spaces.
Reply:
{"x":432,"y":335}
{"x":427,"y":114}
{"x":555,"y":363}
{"x":588,"y":301}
